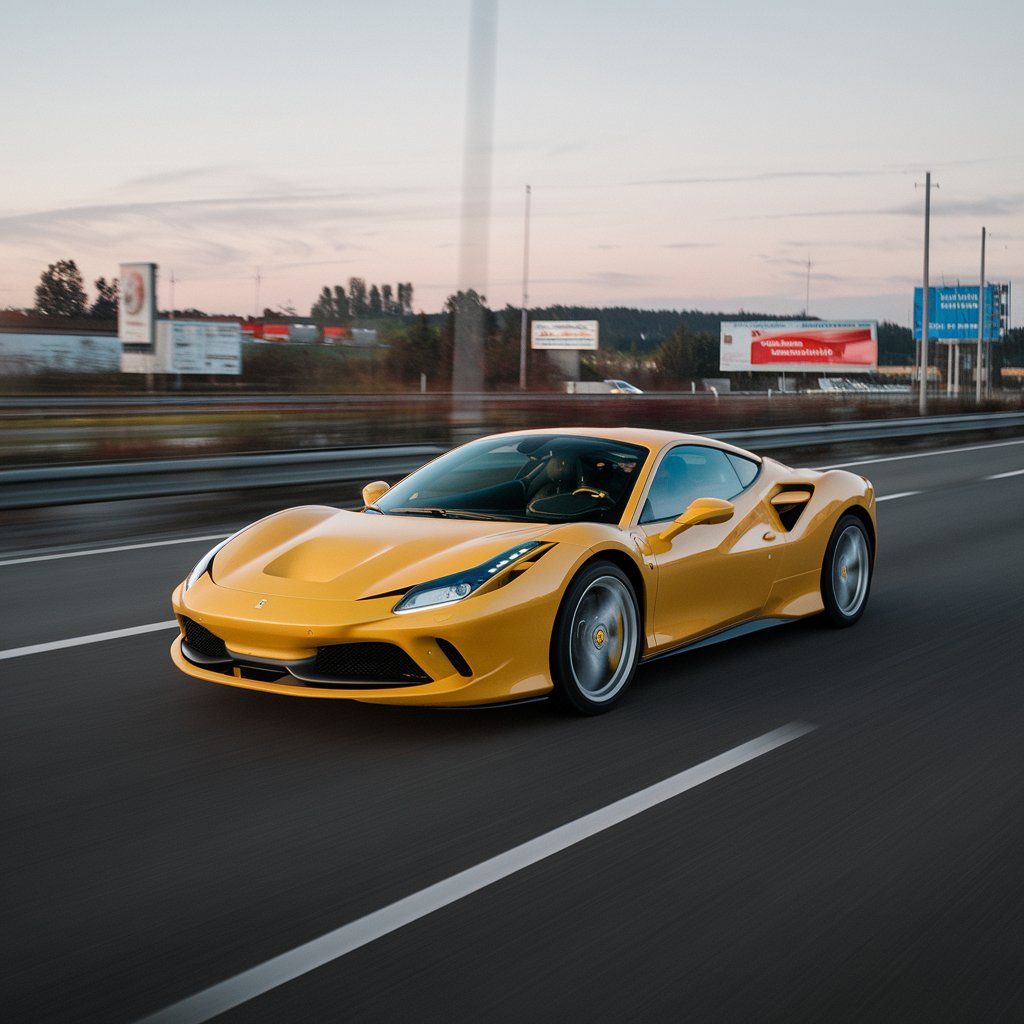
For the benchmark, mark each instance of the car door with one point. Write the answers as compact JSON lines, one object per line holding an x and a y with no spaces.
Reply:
{"x":714,"y":575}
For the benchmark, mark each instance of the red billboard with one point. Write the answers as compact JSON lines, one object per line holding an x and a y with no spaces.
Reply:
{"x":799,"y":345}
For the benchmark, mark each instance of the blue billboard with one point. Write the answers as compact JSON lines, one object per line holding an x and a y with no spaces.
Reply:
{"x":953,"y":313}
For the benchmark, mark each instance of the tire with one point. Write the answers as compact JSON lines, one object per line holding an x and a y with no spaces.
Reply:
{"x":595,"y":644}
{"x":846,"y":572}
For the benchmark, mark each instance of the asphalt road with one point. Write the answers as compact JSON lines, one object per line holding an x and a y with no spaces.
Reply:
{"x":160,"y":835}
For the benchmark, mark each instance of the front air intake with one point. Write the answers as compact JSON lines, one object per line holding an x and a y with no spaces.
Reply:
{"x":202,"y":641}
{"x":367,"y":662}
{"x":451,"y":652}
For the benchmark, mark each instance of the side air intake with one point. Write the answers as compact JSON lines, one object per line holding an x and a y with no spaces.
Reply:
{"x":789,"y":504}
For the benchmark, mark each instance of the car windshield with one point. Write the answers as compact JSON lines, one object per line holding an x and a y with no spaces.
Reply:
{"x":531,"y":477}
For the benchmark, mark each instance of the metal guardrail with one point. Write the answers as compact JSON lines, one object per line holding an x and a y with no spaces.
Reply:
{"x":112,"y":481}
{"x":816,"y":435}
{"x":66,"y":485}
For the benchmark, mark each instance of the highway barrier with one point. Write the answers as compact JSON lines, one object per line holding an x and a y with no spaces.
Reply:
{"x":35,"y":486}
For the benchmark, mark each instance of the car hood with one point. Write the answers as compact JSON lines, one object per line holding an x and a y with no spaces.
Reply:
{"x":319,"y":552}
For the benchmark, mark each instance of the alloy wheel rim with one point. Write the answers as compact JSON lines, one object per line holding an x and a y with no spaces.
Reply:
{"x":850,"y":570}
{"x":603,"y":641}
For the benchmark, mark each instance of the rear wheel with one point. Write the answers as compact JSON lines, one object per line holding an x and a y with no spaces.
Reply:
{"x":846,"y":572}
{"x":595,"y":645}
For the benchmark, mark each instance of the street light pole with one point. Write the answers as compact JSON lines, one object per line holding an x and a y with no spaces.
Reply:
{"x":981,"y":323}
{"x":922,"y":402}
{"x":526,"y":281}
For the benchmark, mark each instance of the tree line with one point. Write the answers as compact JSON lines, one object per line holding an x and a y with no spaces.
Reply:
{"x":683,"y":341}
{"x":336,"y":306}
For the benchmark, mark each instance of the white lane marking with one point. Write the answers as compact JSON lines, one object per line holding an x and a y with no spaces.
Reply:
{"x":310,"y":955}
{"x":899,"y":494}
{"x":1003,"y":476}
{"x":923,"y":455}
{"x":92,"y":638}
{"x":107,"y":551}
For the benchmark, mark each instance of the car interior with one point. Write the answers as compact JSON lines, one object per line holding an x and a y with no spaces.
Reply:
{"x":550,"y":478}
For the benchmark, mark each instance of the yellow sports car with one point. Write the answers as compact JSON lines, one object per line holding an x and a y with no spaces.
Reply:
{"x":527,"y":564}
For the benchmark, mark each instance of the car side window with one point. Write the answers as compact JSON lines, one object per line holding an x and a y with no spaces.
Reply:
{"x":746,"y":469}
{"x":685,"y":474}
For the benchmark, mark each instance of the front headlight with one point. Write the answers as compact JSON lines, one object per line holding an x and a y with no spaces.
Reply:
{"x":204,"y":563}
{"x":460,"y":585}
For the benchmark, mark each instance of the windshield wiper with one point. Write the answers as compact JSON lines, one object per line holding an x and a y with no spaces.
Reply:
{"x":418,"y":511}
{"x":440,"y":513}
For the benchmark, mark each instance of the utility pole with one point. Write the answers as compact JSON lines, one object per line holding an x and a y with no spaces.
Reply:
{"x":807,"y":300}
{"x":981,"y":325}
{"x":922,"y":403}
{"x":172,"y":293}
{"x":256,"y":313}
{"x":526,"y":281}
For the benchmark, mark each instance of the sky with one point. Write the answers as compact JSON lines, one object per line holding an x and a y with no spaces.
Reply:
{"x":681,"y":155}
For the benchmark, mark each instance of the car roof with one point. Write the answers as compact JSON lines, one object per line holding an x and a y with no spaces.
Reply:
{"x":655,"y":440}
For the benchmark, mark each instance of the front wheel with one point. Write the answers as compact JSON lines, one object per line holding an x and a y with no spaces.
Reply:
{"x":846,"y":572}
{"x":595,"y":645}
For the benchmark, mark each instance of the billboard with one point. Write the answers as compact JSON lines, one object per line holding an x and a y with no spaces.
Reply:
{"x":23,"y":354}
{"x":189,"y":346}
{"x":579,"y":335}
{"x":136,"y":306}
{"x":201,"y":346}
{"x":953,"y":312}
{"x":808,"y":346}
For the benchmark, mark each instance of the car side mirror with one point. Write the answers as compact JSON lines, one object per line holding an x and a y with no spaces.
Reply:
{"x":372,"y":493}
{"x":702,"y":512}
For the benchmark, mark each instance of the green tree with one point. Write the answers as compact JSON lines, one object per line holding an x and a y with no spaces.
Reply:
{"x":357,"y":296}
{"x":323,"y":309}
{"x":415,"y":350}
{"x":469,"y":327}
{"x":331,"y":306}
{"x":896,"y":345}
{"x":374,"y":306}
{"x":501,"y":350}
{"x":341,"y":310}
{"x":387,"y":301}
{"x":105,"y":306}
{"x":61,"y":291}
{"x":687,"y":356}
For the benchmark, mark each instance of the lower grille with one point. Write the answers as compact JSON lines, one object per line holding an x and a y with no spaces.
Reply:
{"x":202,"y":641}
{"x":368,"y":662}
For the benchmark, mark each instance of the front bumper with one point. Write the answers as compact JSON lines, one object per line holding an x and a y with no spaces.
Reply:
{"x":503,"y":637}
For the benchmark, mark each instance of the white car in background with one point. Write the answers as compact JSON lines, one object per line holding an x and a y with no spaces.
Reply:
{"x":601,"y":387}
{"x":623,"y":387}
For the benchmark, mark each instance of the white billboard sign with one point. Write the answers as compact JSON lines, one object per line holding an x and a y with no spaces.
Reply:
{"x":579,"y":335}
{"x":799,"y":346}
{"x":29,"y":353}
{"x":199,"y":346}
{"x":190,"y":346}
{"x":136,"y":305}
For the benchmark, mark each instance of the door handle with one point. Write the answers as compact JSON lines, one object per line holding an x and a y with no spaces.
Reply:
{"x":769,"y":535}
